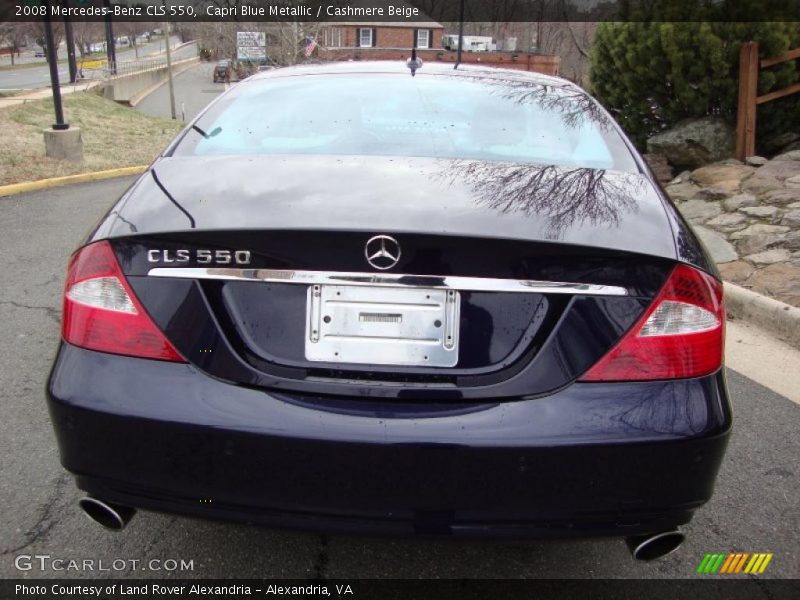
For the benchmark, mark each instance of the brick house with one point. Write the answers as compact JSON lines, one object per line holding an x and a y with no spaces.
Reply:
{"x":394,"y":40}
{"x":383,"y":35}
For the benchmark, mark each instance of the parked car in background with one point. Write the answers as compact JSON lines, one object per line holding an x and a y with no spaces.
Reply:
{"x":222,"y":71}
{"x":349,"y":299}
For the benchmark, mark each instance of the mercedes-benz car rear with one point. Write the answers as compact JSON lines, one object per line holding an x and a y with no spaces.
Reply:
{"x":446,"y":302}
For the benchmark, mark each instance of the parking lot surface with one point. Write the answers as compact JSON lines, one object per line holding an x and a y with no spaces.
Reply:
{"x":194,"y":89}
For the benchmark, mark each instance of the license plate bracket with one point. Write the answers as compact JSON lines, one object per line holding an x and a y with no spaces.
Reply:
{"x":404,"y":326}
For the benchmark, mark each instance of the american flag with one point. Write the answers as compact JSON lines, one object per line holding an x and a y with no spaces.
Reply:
{"x":309,"y":46}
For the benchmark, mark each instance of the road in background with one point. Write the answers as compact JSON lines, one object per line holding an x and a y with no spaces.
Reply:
{"x":28,"y":77}
{"x":194,"y":89}
{"x":754,"y":509}
{"x":28,"y":56}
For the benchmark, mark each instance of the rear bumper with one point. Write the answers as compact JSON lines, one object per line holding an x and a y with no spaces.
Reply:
{"x":592,"y":459}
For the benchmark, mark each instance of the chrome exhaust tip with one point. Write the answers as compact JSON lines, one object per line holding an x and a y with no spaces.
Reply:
{"x":656,"y":545}
{"x":110,"y":516}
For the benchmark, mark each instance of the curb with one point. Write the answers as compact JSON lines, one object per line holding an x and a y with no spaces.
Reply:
{"x":43,"y":184}
{"x":773,"y":316}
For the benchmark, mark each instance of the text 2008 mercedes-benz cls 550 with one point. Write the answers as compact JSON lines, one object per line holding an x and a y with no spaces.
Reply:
{"x":362,"y":298}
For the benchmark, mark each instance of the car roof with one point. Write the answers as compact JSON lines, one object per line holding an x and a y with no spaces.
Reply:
{"x":399,"y":67}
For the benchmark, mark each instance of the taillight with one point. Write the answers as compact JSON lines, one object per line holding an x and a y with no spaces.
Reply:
{"x":101,"y":312}
{"x":681,"y":334}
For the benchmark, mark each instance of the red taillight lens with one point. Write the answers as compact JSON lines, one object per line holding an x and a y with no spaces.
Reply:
{"x":101,"y":312}
{"x":681,"y":334}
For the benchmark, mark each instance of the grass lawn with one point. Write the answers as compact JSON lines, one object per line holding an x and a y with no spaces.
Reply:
{"x":113,"y":136}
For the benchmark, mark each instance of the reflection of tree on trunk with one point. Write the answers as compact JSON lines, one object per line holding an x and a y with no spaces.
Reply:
{"x":566,"y":197}
{"x":673,"y":408}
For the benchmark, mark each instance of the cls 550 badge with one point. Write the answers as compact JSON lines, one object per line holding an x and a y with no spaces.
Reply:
{"x":200,"y":256}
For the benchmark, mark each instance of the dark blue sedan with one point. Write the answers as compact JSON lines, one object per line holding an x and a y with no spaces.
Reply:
{"x":359,"y":298}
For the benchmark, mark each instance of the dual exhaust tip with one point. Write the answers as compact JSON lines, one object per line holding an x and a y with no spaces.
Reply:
{"x":643,"y":547}
{"x":656,"y":545}
{"x":111,"y":516}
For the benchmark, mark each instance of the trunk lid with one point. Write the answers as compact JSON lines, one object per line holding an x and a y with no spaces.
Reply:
{"x":589,"y":207}
{"x":223,"y":256}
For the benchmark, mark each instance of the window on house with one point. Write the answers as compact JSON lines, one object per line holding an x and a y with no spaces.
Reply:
{"x":333,"y":37}
{"x":365,"y":37}
{"x":423,"y":38}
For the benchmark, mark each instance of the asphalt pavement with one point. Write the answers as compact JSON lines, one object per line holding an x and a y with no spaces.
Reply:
{"x":194,"y":89}
{"x":29,"y":78}
{"x":754,"y":509}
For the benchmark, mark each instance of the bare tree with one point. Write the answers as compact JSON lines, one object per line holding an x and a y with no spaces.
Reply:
{"x":285,"y":41}
{"x":87,"y":33}
{"x":575,"y":57}
{"x":132,"y":30}
{"x":291,"y":39}
{"x":36,"y":32}
{"x":13,"y":36}
{"x":216,"y":40}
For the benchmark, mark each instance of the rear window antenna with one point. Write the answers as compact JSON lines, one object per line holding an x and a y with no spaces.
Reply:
{"x":460,"y":35}
{"x":414,"y":63}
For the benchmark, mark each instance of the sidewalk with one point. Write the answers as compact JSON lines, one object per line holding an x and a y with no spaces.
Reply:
{"x":47,"y":92}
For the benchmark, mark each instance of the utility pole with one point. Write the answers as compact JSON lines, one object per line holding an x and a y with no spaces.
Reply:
{"x":169,"y":73}
{"x":460,"y":35}
{"x":111,"y":48}
{"x":60,"y":142}
{"x":52,"y":61}
{"x":70,"y":39}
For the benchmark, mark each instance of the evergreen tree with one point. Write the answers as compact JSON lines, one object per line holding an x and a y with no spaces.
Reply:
{"x":651,"y":74}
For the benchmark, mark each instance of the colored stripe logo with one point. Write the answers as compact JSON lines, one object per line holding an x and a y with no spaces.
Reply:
{"x":736,"y":562}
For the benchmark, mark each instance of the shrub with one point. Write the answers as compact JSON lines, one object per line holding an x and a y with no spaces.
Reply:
{"x":653,"y":74}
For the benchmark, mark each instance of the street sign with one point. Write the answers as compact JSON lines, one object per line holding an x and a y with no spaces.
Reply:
{"x":251,"y":45}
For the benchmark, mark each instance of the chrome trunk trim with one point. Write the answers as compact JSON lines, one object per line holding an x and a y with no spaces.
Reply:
{"x":450,"y":282}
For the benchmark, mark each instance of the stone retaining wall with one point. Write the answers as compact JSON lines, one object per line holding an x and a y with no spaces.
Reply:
{"x":748,"y":215}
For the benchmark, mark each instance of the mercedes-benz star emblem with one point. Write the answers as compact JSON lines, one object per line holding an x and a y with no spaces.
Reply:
{"x":382,"y":252}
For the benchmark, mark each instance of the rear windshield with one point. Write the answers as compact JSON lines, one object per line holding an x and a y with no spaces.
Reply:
{"x":453,"y":117}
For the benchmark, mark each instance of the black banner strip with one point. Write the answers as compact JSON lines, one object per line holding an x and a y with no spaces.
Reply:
{"x":709,"y":588}
{"x":399,"y":11}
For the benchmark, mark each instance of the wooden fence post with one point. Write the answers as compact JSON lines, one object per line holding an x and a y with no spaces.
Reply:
{"x":746,"y":110}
